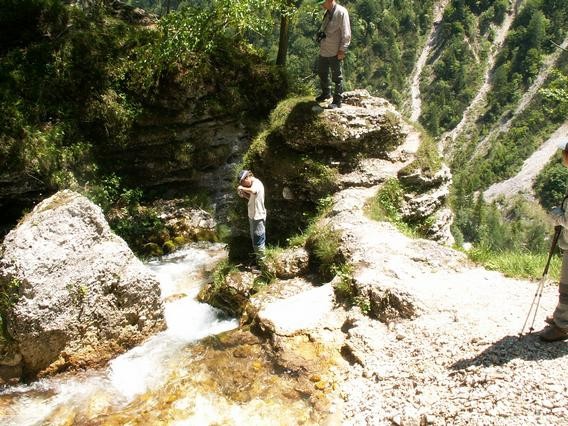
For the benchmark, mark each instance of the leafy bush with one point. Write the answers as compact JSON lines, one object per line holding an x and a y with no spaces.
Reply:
{"x":9,"y":294}
{"x":551,"y":184}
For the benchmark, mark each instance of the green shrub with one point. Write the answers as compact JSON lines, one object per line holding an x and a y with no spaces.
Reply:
{"x":9,"y":295}
{"x":516,"y":264}
{"x":138,"y":229}
{"x":551,"y":185}
{"x":427,"y":160}
{"x":220,"y":273}
{"x":324,"y":242}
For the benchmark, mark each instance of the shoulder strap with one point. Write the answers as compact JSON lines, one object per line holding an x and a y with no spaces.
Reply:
{"x":324,"y":22}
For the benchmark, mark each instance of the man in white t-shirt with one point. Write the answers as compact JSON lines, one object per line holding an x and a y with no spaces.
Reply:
{"x":252,"y":189}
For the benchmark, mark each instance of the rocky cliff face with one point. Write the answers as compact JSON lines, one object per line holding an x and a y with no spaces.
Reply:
{"x":311,"y":153}
{"x":345,"y":155}
{"x":74,"y":295}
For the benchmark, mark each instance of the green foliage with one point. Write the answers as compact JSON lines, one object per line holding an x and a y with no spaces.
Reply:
{"x":551,"y":184}
{"x":452,"y":80}
{"x":519,"y":61}
{"x":520,"y":226}
{"x":528,"y":130}
{"x":110,"y":193}
{"x":301,"y":239}
{"x":139,"y":227}
{"x":23,"y":22}
{"x":323,"y":242}
{"x":220,"y":273}
{"x":75,"y":81}
{"x":386,"y":205}
{"x":556,"y":94}
{"x":9,"y":295}
{"x":346,"y":291}
{"x":187,"y":38}
{"x":386,"y":38}
{"x":516,"y":264}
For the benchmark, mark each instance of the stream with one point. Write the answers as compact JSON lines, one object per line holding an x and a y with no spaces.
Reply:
{"x":179,"y":376}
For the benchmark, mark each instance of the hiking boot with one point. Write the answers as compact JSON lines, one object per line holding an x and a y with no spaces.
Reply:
{"x":336,"y":103}
{"x":553,"y":333}
{"x":323,"y":97}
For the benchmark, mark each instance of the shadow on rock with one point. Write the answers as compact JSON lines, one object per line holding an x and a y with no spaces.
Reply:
{"x":529,"y":348}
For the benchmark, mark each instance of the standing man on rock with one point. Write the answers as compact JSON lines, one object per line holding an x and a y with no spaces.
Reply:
{"x":333,"y":37}
{"x":252,"y":189}
{"x":557,"y":328}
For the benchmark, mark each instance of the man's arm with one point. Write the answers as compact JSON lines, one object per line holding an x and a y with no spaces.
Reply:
{"x":345,"y":27}
{"x":246,"y":191}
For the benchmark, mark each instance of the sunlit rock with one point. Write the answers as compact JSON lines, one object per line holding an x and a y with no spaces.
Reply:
{"x":78,"y":294}
{"x":289,"y":263}
{"x":310,"y":308}
{"x":232,"y":294}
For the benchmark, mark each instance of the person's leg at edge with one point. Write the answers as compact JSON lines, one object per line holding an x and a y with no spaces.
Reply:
{"x":337,"y":78}
{"x":323,"y":73}
{"x":558,"y":330}
{"x":560,"y":315}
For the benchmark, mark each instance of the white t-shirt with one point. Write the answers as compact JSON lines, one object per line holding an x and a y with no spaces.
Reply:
{"x":256,"y":209}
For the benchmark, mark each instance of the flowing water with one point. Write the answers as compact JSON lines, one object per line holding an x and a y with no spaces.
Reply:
{"x":178,"y":377}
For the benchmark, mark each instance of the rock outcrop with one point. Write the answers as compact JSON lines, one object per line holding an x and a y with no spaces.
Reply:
{"x":77,"y":295}
{"x":309,"y":153}
{"x":428,"y":204}
{"x":352,"y":152}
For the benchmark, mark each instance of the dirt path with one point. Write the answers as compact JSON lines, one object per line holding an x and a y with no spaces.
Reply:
{"x":523,"y":181}
{"x":459,"y":360}
{"x":456,"y":359}
{"x":416,"y":107}
{"x":475,"y":107}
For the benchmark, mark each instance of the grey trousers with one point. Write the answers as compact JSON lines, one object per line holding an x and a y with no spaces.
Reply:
{"x":325,"y":65}
{"x":560,"y":314}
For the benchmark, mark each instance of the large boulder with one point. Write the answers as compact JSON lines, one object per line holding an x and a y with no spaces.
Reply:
{"x":77,"y":294}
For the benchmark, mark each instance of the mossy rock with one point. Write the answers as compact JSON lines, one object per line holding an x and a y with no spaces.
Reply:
{"x":168,"y":247}
{"x":231,"y":295}
{"x":153,"y":250}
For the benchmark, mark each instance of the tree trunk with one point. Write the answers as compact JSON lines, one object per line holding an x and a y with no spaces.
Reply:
{"x":283,"y":41}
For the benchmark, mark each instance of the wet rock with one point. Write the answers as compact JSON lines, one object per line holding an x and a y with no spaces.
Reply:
{"x":289,"y":263}
{"x":232,"y":295}
{"x":77,"y":291}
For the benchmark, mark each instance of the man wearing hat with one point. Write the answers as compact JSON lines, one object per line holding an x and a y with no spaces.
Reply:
{"x":334,"y":37}
{"x":557,"y":328}
{"x":252,"y":189}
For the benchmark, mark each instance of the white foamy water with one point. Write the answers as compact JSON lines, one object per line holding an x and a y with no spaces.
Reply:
{"x":143,"y":368}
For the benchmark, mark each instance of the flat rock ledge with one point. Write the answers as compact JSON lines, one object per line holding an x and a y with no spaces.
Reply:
{"x":77,"y":294}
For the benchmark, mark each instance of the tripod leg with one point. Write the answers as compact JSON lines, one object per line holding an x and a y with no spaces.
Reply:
{"x":538,"y":290}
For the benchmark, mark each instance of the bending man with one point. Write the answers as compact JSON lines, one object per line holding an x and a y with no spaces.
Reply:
{"x":252,"y":189}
